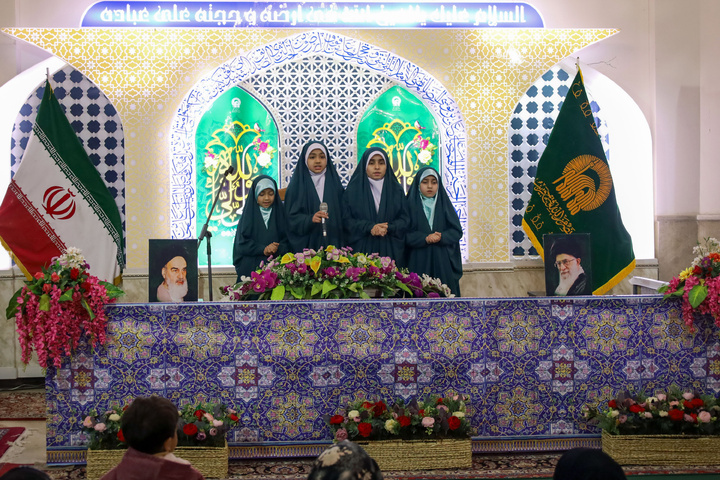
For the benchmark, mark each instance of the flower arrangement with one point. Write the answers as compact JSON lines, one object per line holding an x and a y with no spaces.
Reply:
{"x":427,"y":149}
{"x":698,"y":285}
{"x":431,"y":418}
{"x":60,"y":305}
{"x":266,"y":152}
{"x":205,"y":424}
{"x":103,"y":430}
{"x":669,"y":413}
{"x":332,"y":273}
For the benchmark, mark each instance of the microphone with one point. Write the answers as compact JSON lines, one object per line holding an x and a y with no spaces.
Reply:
{"x":324,"y":209}
{"x":230,"y":170}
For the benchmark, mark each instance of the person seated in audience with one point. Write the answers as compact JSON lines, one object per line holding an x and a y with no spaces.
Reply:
{"x":587,"y":464}
{"x":149,"y":426}
{"x":345,"y":461}
{"x":314,"y":181}
{"x":262,"y":229}
{"x":375,"y":208}
{"x":433,"y":238}
{"x":24,"y":472}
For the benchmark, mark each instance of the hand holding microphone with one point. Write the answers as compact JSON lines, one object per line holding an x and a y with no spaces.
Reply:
{"x":324,"y":209}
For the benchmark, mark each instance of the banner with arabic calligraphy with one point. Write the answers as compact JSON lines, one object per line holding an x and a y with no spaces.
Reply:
{"x":402,"y":125}
{"x":236,"y":131}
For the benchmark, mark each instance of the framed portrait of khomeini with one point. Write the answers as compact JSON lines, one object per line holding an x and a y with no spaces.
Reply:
{"x":568,"y":269}
{"x":173,"y":271}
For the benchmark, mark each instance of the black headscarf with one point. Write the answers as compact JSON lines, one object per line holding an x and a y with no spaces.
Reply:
{"x":345,"y":461}
{"x":302,"y":202}
{"x":360,"y":215}
{"x":252,"y":236}
{"x":443,"y":259}
{"x":587,"y":464}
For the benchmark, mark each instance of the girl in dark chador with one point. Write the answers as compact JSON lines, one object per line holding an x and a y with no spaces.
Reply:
{"x":433,"y":238}
{"x":261,"y":231}
{"x":375,"y":210}
{"x":314,"y":181}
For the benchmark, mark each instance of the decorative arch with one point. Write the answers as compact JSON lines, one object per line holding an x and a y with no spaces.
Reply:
{"x":315,"y":49}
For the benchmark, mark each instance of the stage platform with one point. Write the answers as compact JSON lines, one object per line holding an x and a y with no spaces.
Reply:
{"x":529,"y":364}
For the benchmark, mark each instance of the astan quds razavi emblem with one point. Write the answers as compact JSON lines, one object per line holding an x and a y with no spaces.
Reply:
{"x":404,"y":127}
{"x":585,"y":183}
{"x":236,"y":131}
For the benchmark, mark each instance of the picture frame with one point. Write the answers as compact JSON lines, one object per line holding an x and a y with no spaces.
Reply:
{"x":173,"y":270}
{"x":568,"y":265}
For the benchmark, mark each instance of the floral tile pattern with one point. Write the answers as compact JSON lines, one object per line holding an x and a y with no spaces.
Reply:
{"x":529,"y":365}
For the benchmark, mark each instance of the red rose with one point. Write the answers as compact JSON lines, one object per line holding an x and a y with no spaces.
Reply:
{"x":190,"y":429}
{"x":422,"y":412}
{"x":199,"y":414}
{"x":85,"y":286}
{"x":55,"y":277}
{"x":403,"y":420}
{"x":234,"y":417}
{"x":379,"y":408}
{"x":675,"y":414}
{"x":697,"y":270}
{"x":635,"y":408}
{"x":612,"y":404}
{"x":120,"y":436}
{"x":365,"y":429}
{"x":439,"y":400}
{"x":694,"y":417}
{"x":697,"y":402}
{"x":688,"y":404}
{"x":39,"y":276}
{"x":46,"y":288}
{"x":367,"y":405}
{"x":74,"y":272}
{"x":336,"y":419}
{"x":454,"y":422}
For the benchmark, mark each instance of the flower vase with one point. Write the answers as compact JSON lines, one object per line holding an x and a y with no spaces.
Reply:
{"x":662,"y":449}
{"x":445,"y":453}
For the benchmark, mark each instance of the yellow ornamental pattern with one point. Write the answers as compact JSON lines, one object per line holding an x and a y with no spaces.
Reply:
{"x":146,"y":73}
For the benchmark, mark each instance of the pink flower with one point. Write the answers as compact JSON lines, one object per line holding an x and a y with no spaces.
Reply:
{"x":209,"y":417}
{"x":39,"y":276}
{"x":662,"y":397}
{"x":705,"y":416}
{"x":341,"y":435}
{"x":688,"y":418}
{"x":674,"y":403}
{"x":263,"y":146}
{"x":100,"y":427}
{"x":622,"y":418}
{"x":217,"y":423}
{"x":688,"y":396}
{"x":213,"y":431}
{"x":201,"y":436}
{"x":648,"y":415}
{"x":424,"y":143}
{"x":87,"y":422}
{"x":55,"y":277}
{"x":428,"y":422}
{"x":443,"y":407}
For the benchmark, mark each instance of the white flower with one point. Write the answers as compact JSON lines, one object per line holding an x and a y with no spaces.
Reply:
{"x":210,"y":162}
{"x":613,"y":413}
{"x":114,"y":417}
{"x":459,"y":414}
{"x":390,"y":425}
{"x":353,"y":413}
{"x":663,"y":413}
{"x":264,"y":159}
{"x":425,"y":157}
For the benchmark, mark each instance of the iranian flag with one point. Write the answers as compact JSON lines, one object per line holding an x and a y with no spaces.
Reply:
{"x":57,"y":200}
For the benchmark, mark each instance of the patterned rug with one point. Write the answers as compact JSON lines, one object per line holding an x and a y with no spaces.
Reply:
{"x":485,"y":466}
{"x":7,"y":436}
{"x":22,"y":405}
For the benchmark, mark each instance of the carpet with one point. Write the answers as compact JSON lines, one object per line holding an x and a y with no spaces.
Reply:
{"x":7,"y":436}
{"x":22,"y":405}
{"x":485,"y":466}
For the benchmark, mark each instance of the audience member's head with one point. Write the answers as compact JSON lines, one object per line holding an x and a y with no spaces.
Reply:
{"x":25,"y":473}
{"x":587,"y":464}
{"x":345,"y":461}
{"x":150,"y":425}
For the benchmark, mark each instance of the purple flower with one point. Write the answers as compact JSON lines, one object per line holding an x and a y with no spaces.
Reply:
{"x":201,"y":436}
{"x":331,"y":272}
{"x":433,"y":295}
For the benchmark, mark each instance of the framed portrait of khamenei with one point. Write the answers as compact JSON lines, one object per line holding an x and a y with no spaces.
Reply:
{"x":568,"y":269}
{"x":173,"y":271}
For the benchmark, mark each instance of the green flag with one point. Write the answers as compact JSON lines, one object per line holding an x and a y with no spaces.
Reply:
{"x":574,"y":193}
